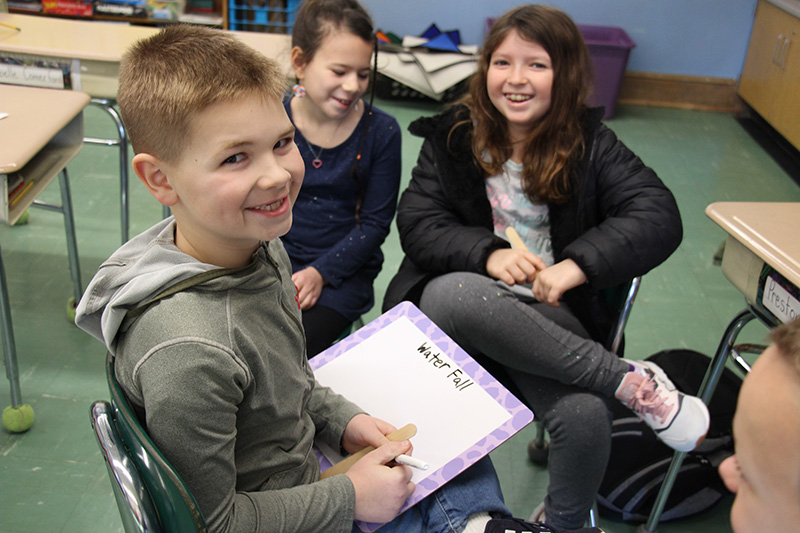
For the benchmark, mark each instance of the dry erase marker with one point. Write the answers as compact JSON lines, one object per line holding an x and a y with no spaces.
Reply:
{"x":407,"y":460}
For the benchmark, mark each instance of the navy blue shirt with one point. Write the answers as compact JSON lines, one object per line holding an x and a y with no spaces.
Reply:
{"x":324,"y":231}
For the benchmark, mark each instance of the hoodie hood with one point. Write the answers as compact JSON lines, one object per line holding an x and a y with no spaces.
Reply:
{"x":138,"y":271}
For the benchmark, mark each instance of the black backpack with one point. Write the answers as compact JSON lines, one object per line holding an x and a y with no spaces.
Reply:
{"x":639,"y":461}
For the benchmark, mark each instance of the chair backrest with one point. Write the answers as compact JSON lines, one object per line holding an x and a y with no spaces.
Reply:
{"x":135,"y":506}
{"x":159,"y":501}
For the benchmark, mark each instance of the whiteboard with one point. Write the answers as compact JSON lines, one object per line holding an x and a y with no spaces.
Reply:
{"x":402,"y":368}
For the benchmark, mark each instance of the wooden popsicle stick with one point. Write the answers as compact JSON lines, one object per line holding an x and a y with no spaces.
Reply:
{"x":404,"y":433}
{"x":515,"y":239}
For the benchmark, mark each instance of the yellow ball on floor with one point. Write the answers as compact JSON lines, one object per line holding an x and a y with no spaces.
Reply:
{"x":18,"y":419}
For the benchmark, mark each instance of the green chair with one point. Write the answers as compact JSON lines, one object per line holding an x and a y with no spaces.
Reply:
{"x":150,"y":495}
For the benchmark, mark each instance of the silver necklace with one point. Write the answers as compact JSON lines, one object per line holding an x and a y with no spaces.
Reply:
{"x":316,"y":162}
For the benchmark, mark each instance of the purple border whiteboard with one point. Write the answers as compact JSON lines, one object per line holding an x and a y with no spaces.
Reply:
{"x":461,"y":412}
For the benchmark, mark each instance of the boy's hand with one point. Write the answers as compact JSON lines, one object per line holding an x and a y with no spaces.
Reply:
{"x":309,"y":283}
{"x":552,"y":282}
{"x":381,"y":490}
{"x":364,"y":430}
{"x":513,"y":266}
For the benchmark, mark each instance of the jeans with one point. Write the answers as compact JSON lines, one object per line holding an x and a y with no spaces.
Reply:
{"x":447,"y":510}
{"x":565,"y":377}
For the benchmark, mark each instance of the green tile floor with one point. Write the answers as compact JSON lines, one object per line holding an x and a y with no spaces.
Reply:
{"x":52,"y":478}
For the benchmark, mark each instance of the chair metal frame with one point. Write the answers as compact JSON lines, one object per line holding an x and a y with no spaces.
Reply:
{"x":150,"y":494}
{"x":107,"y":106}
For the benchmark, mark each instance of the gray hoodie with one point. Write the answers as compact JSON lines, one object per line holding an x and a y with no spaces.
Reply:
{"x":219,"y":368}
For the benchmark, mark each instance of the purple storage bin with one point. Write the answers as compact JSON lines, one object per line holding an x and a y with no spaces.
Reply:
{"x":609,"y":48}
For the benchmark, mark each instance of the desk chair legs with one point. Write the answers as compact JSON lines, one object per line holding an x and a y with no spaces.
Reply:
{"x":17,"y":417}
{"x":707,"y":388}
{"x":122,"y":142}
{"x":69,"y":226}
{"x":9,"y":346}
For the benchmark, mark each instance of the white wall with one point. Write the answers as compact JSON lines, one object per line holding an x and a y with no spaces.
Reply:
{"x":679,"y":37}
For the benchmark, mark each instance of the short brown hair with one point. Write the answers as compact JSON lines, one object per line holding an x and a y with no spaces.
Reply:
{"x":166,"y":79}
{"x":786,"y":338}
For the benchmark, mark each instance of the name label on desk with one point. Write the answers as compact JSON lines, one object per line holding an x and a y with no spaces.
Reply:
{"x":778,"y":297}
{"x":51,"y":78}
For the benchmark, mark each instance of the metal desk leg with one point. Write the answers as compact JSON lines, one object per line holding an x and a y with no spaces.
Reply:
{"x":707,"y":388}
{"x":69,"y":225}
{"x":9,"y":347}
{"x":17,"y":417}
{"x":122,"y":142}
{"x":72,"y":243}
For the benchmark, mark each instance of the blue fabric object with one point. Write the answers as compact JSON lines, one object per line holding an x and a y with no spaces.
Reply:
{"x":454,"y":35}
{"x":442,"y":42}
{"x":432,"y":31}
{"x":324,"y":232}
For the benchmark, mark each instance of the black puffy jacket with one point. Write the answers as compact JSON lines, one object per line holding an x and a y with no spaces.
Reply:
{"x":621,"y":222}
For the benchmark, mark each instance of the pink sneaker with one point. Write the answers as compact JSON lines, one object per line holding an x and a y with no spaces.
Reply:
{"x":678,"y":419}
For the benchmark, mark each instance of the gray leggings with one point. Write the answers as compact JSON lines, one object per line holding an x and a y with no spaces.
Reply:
{"x":564,"y":377}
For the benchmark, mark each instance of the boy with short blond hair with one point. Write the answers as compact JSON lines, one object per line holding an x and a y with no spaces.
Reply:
{"x":200,"y":311}
{"x":165,"y":80}
{"x":765,"y":471}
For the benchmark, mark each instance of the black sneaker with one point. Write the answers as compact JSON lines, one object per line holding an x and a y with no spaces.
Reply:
{"x":517,"y":525}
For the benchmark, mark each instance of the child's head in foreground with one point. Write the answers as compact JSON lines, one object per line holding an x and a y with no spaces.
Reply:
{"x":765,"y":471}
{"x":212,"y":140}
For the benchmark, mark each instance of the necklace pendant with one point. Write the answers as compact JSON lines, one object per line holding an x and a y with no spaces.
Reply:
{"x":316,"y":163}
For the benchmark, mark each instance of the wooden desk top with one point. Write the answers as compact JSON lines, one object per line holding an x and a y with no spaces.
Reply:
{"x":70,"y":39}
{"x":771,"y":230}
{"x":106,"y":42}
{"x":35,"y":116}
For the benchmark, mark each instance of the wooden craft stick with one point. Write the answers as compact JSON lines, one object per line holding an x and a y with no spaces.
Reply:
{"x":404,"y":433}
{"x":515,"y":239}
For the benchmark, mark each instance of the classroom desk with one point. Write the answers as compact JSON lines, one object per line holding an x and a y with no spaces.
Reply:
{"x":41,"y":134}
{"x":762,"y":260}
{"x":91,"y":51}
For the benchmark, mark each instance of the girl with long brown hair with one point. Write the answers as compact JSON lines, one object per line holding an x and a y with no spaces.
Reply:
{"x":523,"y":151}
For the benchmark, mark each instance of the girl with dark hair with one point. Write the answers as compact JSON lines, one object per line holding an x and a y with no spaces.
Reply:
{"x":352,"y":155}
{"x":523,"y":151}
